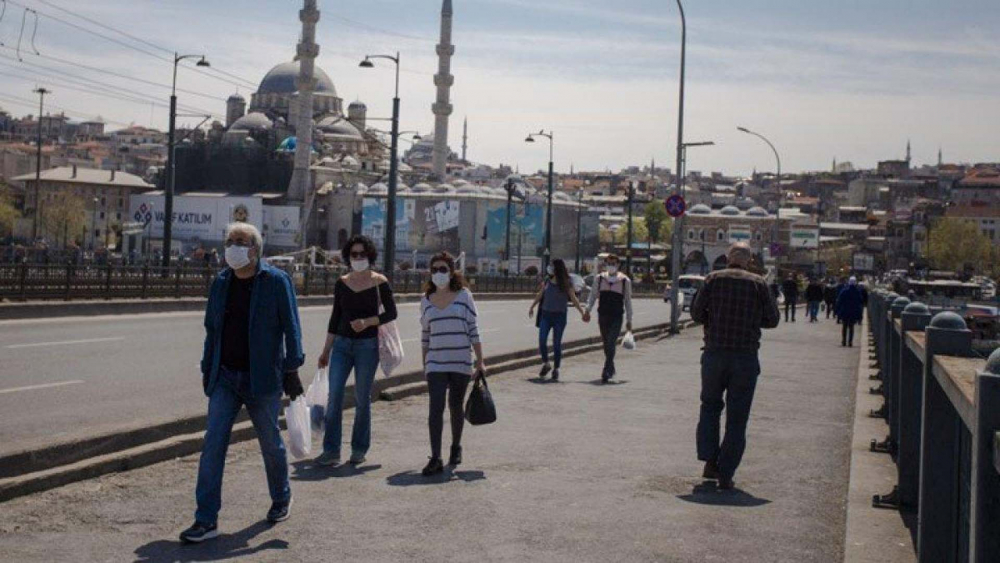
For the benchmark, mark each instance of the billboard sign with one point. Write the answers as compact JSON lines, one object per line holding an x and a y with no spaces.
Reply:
{"x":281,"y":225}
{"x":196,"y":218}
{"x":740,"y":233}
{"x":864,"y":262}
{"x":805,"y":237}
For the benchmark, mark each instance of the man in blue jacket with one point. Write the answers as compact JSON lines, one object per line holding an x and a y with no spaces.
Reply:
{"x":253,"y":350}
{"x":850,"y":308}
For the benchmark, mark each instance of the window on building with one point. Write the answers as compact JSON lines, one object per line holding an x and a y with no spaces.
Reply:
{"x":102,"y":215}
{"x":118,"y":216}
{"x":691,"y":235}
{"x":121,"y":202}
{"x":720,"y":236}
{"x":103,"y":202}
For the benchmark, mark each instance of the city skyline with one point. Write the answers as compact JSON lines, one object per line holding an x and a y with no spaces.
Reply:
{"x":822,"y":82}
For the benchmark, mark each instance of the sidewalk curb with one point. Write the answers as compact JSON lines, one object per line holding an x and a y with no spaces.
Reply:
{"x":27,"y":472}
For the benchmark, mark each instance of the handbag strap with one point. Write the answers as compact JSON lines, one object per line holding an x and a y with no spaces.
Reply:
{"x":379,"y":309}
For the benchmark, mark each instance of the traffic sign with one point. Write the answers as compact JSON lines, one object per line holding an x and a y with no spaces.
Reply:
{"x":676,"y":206}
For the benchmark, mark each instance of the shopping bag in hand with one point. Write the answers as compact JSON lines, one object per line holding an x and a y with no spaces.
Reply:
{"x":480,"y":409}
{"x":299,"y":430}
{"x":317,"y":397}
{"x":390,"y":345}
{"x":628,"y":342}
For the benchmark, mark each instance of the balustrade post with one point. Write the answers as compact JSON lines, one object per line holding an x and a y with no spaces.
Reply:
{"x":177,"y":280}
{"x":305,"y":281}
{"x":984,"y":535}
{"x":940,"y":436}
{"x":24,"y":281}
{"x":145,"y":279}
{"x":894,"y":344}
{"x":107,"y":283}
{"x":915,"y":317}
{"x":69,"y":282}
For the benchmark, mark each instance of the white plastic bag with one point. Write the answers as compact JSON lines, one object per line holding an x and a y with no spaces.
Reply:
{"x":299,"y":431}
{"x":390,"y":345}
{"x":628,"y":342}
{"x":317,"y":397}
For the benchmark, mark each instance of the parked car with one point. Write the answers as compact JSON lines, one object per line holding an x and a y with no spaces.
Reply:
{"x":688,"y":286}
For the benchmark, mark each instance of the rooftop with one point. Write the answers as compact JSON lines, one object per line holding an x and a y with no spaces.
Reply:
{"x":77,"y":175}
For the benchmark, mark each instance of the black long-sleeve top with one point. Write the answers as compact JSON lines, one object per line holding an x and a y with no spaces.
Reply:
{"x":350,"y":305}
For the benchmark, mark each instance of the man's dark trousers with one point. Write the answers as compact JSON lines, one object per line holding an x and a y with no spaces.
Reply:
{"x":790,"y":306}
{"x":611,"y":328}
{"x":733,"y":375}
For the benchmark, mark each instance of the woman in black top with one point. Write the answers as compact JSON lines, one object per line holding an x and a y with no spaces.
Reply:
{"x":352,"y":343}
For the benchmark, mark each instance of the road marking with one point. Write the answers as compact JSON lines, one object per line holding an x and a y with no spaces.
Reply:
{"x":42,"y":386}
{"x":66,"y":342}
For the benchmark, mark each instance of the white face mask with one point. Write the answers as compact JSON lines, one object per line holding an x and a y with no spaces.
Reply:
{"x":359,"y":265}
{"x":238,"y":257}
{"x":551,"y":270}
{"x":441,"y":281}
{"x":612,"y":270}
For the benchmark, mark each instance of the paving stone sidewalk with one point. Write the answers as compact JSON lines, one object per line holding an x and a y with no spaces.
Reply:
{"x":573,"y":471}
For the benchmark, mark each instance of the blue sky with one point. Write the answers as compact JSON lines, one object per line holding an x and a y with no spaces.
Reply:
{"x":847,"y":79}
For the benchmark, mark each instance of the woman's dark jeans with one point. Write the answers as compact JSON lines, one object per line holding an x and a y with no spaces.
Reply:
{"x":555,"y":322}
{"x":450,"y":386}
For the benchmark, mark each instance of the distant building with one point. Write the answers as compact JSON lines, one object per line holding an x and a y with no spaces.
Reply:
{"x":986,"y":218}
{"x":980,"y":187}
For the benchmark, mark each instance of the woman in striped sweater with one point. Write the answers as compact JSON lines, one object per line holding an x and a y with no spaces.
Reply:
{"x":449,"y":338}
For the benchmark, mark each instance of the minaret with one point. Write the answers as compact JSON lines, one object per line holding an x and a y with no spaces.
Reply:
{"x":940,"y":158}
{"x":907,"y":151}
{"x":465,"y":139}
{"x":306,"y":82}
{"x":834,"y":169}
{"x":444,"y":81}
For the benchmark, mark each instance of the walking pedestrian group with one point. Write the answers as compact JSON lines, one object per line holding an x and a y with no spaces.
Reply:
{"x":253,"y":351}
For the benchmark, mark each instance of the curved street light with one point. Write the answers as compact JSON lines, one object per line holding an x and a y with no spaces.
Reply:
{"x":678,"y":240}
{"x":781,"y":194}
{"x":548,"y":213}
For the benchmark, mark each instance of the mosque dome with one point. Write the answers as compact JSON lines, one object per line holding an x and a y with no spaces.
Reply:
{"x":251,"y":122}
{"x":757,"y":212}
{"x":467,"y":189}
{"x":730,"y":210}
{"x":282,"y":80}
{"x":379,"y":188}
{"x":421,"y":188}
{"x":335,"y":125}
{"x":445,"y":189}
{"x":700,"y":209}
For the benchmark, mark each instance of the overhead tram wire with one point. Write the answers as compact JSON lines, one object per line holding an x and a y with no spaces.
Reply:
{"x":128,"y":45}
{"x":16,"y":100}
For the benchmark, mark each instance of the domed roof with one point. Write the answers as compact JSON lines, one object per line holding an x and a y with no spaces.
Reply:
{"x":445,"y":189}
{"x":379,"y":188}
{"x":281,"y":80}
{"x":237,"y":98}
{"x":561,"y":196}
{"x":251,"y":121}
{"x":467,"y":189}
{"x":757,"y":212}
{"x":730,"y":210}
{"x":700,"y":209}
{"x":335,"y":125}
{"x":460,"y":183}
{"x":420,"y":188}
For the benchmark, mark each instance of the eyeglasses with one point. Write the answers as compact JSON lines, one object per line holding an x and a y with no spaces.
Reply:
{"x":359,"y":255}
{"x":238,"y":243}
{"x":441,"y":270}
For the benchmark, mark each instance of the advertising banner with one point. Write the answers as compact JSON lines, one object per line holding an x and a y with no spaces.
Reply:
{"x":805,"y":237}
{"x":739,"y":233}
{"x":281,"y":225}
{"x":196,"y":218}
{"x":864,"y":262}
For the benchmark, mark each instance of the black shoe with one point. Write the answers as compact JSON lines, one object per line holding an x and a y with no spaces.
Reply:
{"x":546,"y":368}
{"x":605,"y":376}
{"x":433,"y":467}
{"x":456,"y":456}
{"x":555,"y":374}
{"x":280,"y":511}
{"x":199,"y":532}
{"x":726,"y":484}
{"x":711,"y":470}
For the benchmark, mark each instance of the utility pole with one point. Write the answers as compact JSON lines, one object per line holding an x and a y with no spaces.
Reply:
{"x":628,"y":241}
{"x":579,"y":233}
{"x":38,"y":160}
{"x":675,"y":309}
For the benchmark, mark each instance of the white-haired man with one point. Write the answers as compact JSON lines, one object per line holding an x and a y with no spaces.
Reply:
{"x":252,"y":352}
{"x":733,"y":305}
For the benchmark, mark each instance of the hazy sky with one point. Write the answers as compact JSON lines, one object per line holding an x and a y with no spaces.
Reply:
{"x":824,"y":79}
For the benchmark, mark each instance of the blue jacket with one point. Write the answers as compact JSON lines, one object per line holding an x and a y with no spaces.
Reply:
{"x":275,"y":334}
{"x":850,"y":304}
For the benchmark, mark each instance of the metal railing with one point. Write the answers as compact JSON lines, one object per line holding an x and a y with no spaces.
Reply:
{"x":942,"y":407}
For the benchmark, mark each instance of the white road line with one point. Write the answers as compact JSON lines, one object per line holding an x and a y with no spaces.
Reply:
{"x":42,"y":386}
{"x":66,"y":342}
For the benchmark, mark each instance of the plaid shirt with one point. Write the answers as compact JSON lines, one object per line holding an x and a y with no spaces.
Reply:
{"x":733,"y":306}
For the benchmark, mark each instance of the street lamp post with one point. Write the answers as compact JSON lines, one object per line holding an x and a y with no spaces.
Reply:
{"x":579,"y":225}
{"x":168,"y":200}
{"x":93,"y":226}
{"x":781,"y":195}
{"x":628,"y":238}
{"x":389,"y":266}
{"x":509,"y":186}
{"x":675,"y":310}
{"x":548,"y":212}
{"x":38,"y":160}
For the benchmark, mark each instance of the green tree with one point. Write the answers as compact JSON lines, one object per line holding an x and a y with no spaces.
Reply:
{"x":955,"y":244}
{"x":656,"y":220}
{"x":8,"y":213}
{"x":64,"y":218}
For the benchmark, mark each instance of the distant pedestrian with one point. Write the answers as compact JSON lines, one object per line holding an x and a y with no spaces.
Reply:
{"x":830,"y":297}
{"x":850,"y":306}
{"x":449,"y":337}
{"x":252,"y":352}
{"x":790,"y":288}
{"x":614,"y":290}
{"x":352,"y":345}
{"x":733,"y":305}
{"x":814,"y":296}
{"x":556,"y":294}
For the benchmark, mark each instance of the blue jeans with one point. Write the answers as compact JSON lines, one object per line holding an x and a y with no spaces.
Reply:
{"x":361,"y":355}
{"x":734,"y":375}
{"x":550,"y":321}
{"x":230,"y":394}
{"x":813,"y":310}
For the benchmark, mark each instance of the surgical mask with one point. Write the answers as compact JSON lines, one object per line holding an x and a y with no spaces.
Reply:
{"x":359,"y":265}
{"x":612,"y":270}
{"x":441,"y":281}
{"x":550,"y":270}
{"x":238,"y":257}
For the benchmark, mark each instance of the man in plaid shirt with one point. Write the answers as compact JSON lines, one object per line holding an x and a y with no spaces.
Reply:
{"x":734,"y":305}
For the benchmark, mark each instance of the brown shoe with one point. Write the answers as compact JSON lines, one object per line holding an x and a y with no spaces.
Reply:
{"x":711,"y":470}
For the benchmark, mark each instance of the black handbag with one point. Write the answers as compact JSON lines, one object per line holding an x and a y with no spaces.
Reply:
{"x":480,"y":409}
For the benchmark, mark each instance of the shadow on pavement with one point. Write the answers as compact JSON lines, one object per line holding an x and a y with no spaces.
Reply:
{"x":410,"y":478}
{"x":226,"y":546}
{"x":309,"y":471}
{"x":608,"y":383}
{"x":709,"y":494}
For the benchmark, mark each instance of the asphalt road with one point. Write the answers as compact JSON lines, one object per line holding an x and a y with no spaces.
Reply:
{"x":67,"y":378}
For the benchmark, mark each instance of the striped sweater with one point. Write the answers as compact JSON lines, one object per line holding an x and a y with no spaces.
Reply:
{"x":448,"y":334}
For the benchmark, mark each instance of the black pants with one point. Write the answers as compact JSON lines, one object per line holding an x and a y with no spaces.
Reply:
{"x":611,"y":328}
{"x":790,"y":306}
{"x":728,"y":382}
{"x":829,"y":309}
{"x":450,"y":386}
{"x":847,"y":331}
